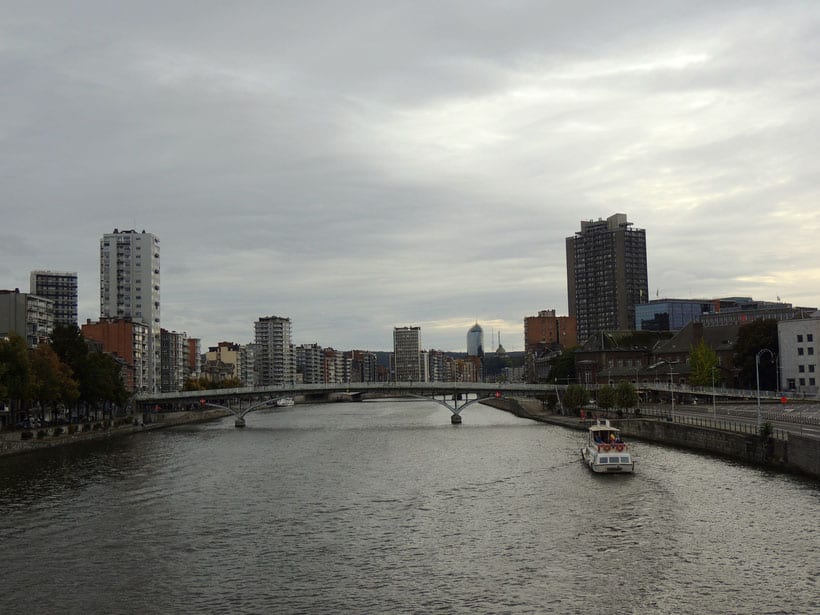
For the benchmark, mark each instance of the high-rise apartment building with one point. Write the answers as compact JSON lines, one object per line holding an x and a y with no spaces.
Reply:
{"x":274,"y":360}
{"x":174,"y":360}
{"x":606,"y":275}
{"x":475,"y":341}
{"x":129,"y":288}
{"x":61,"y":288}
{"x":407,"y":354}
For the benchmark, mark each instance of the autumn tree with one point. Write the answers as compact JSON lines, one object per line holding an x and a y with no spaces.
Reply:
{"x":52,"y":380}
{"x":15,"y":371}
{"x":625,"y":395}
{"x":703,"y":361}
{"x":575,"y":397}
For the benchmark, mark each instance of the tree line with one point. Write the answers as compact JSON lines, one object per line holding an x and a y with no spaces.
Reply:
{"x":60,"y":373}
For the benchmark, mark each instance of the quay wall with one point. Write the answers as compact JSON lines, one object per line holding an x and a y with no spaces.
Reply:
{"x":11,"y":442}
{"x":799,"y":454}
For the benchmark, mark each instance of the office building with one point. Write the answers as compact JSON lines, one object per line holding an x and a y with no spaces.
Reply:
{"x":274,"y":360}
{"x":407,"y":355}
{"x":129,"y":288}
{"x":475,"y":341}
{"x":606,"y":275}
{"x":61,"y":288}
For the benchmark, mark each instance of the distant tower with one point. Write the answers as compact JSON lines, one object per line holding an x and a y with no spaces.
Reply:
{"x":475,"y":341}
{"x":129,"y":288}
{"x":606,"y":275}
{"x":500,"y":351}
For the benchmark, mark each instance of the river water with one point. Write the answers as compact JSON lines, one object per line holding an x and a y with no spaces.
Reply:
{"x":384,"y":507}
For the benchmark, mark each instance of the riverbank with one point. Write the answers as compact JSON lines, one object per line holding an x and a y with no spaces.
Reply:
{"x":19,"y":442}
{"x":797,"y":454}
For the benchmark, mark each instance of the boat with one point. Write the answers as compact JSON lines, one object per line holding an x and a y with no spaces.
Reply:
{"x":605,"y":451}
{"x":284,"y":402}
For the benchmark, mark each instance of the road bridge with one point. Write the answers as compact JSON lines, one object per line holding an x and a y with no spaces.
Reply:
{"x":455,"y":396}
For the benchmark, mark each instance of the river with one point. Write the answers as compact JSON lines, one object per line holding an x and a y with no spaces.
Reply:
{"x":385,"y":507}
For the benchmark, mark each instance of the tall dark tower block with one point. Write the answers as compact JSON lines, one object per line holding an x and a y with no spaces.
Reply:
{"x":606,"y":275}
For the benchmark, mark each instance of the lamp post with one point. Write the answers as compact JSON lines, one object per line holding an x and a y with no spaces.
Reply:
{"x":757,"y":379}
{"x":714,"y":408}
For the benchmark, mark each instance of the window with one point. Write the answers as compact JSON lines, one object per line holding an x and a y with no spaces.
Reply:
{"x":801,"y":368}
{"x":811,"y":382}
{"x":624,"y":459}
{"x":800,"y":351}
{"x":810,"y":337}
{"x":799,"y":339}
{"x":810,"y":350}
{"x":802,"y":382}
{"x":811,"y":368}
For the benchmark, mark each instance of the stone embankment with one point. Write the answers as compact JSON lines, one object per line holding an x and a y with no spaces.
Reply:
{"x":18,"y":442}
{"x":797,"y":454}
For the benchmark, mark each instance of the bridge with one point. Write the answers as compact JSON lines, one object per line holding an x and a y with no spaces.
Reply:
{"x":455,"y":396}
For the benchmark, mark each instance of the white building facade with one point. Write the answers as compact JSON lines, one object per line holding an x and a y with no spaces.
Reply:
{"x":407,"y":357}
{"x":130,"y":288}
{"x":799,"y":341}
{"x":274,"y":361}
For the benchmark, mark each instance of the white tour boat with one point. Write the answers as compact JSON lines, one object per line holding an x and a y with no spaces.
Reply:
{"x":284,"y":402}
{"x":605,"y":451}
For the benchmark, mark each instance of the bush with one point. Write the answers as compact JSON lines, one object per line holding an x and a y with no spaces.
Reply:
{"x":57,"y":431}
{"x":26,"y":435}
{"x":41,"y":433}
{"x":72,"y":429}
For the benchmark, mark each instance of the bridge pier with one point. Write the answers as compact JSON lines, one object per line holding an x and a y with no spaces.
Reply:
{"x":239,"y":422}
{"x":455,"y":419}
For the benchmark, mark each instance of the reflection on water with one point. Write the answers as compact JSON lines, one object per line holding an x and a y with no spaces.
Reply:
{"x":386,"y":507}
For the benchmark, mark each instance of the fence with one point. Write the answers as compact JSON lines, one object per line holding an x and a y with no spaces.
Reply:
{"x":724,"y":424}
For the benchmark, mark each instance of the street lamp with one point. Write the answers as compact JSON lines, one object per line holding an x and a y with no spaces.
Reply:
{"x":714,"y":408}
{"x":757,"y":379}
{"x":671,"y":384}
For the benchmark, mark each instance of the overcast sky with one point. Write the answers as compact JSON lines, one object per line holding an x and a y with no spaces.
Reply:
{"x":363,"y":165}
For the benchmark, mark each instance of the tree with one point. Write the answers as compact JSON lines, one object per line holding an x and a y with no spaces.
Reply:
{"x":702,"y":362}
{"x":15,"y":375}
{"x":625,"y":395}
{"x":575,"y":397}
{"x":562,"y":367}
{"x":606,"y":397}
{"x":52,"y":381}
{"x":751,"y":339}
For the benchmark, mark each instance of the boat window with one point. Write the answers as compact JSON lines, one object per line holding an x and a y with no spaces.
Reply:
{"x":603,"y":459}
{"x":624,"y":459}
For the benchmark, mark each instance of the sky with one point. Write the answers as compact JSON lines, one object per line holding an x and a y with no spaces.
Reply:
{"x":362,"y":165}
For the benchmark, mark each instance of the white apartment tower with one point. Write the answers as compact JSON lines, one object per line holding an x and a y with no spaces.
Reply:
{"x":274,"y":361}
{"x":129,"y":288}
{"x":61,"y":288}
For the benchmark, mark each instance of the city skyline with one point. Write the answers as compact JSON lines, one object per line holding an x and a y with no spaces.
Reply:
{"x":361,"y":167}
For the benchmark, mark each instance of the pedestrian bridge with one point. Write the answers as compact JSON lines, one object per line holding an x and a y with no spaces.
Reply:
{"x":455,"y":396}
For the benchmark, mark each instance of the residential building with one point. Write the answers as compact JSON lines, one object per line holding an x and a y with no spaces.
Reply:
{"x":364,"y":366}
{"x":173,"y":360}
{"x":127,"y":339}
{"x":130,"y":288}
{"x":193,"y":368}
{"x":274,"y":361}
{"x":407,"y":354}
{"x":309,"y":362}
{"x":29,"y":316}
{"x":223,"y":362}
{"x":797,"y":354}
{"x":546,"y":330}
{"x":247,"y":364}
{"x":61,"y":288}
{"x":606,"y":275}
